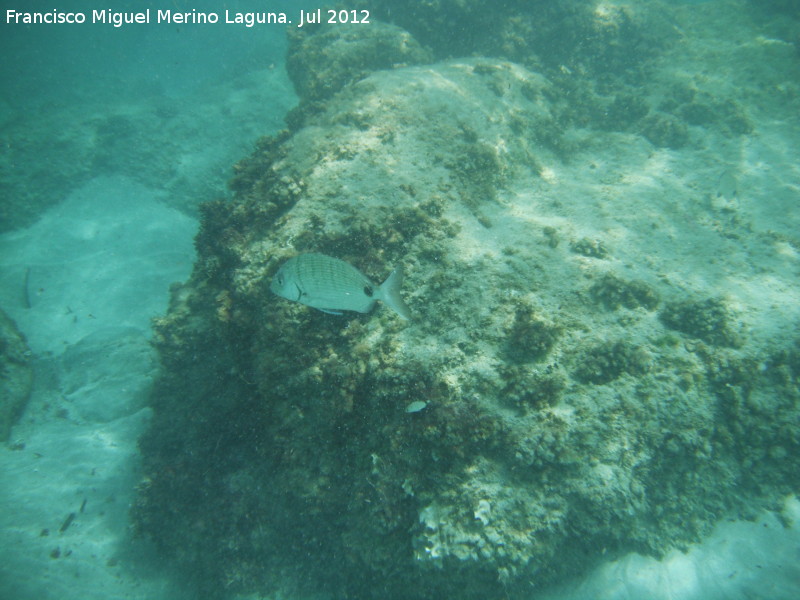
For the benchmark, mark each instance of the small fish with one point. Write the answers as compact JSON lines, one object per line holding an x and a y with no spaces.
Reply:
{"x":331,"y":285}
{"x":728,"y":185}
{"x":416,"y":406}
{"x":67,"y":522}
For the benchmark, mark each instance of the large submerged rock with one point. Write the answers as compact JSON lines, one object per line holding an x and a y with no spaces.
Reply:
{"x":564,"y":421}
{"x":321,"y":60}
{"x":16,"y":377}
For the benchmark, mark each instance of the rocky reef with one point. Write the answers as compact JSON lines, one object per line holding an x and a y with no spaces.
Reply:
{"x":567,"y":419}
{"x":16,"y":377}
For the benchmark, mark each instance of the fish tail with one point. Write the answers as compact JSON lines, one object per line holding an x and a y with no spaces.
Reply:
{"x":390,"y":293}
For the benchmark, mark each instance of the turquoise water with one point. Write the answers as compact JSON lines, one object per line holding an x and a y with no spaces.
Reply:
{"x":596,"y":209}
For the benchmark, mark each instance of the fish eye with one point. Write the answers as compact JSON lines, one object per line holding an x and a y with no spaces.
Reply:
{"x":368,"y":291}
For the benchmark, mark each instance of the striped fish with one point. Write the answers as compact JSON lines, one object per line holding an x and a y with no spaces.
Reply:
{"x":331,"y":285}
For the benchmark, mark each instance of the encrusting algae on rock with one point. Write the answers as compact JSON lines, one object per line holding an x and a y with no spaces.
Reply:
{"x":557,"y":420}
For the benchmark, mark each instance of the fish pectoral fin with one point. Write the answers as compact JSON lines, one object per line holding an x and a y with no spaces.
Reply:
{"x":331,"y":312}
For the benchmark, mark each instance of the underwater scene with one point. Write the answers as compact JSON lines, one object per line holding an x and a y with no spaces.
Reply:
{"x":400,"y":300}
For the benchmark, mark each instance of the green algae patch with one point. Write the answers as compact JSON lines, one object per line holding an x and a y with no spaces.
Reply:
{"x":613,"y":293}
{"x":605,"y":362}
{"x":530,"y":337}
{"x":709,"y":320}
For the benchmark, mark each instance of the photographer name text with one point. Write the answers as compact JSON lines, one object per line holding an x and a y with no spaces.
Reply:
{"x":193,"y":17}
